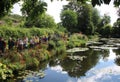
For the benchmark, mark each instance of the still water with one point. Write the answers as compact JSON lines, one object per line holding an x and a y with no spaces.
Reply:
{"x":96,"y":66}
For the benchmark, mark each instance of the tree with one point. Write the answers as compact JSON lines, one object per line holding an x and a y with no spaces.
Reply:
{"x":69,"y":19}
{"x":116,"y":28}
{"x":6,"y":5}
{"x":45,"y":21}
{"x":85,"y":23}
{"x":33,"y":8}
{"x":106,"y":30}
{"x":104,"y":21}
{"x":84,"y":16}
{"x":95,"y":18}
{"x":99,"y":2}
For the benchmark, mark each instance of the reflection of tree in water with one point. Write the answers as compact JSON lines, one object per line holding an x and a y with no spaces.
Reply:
{"x":77,"y":68}
{"x":117,"y":51}
{"x":56,"y":60}
{"x":105,"y":54}
{"x":117,"y":60}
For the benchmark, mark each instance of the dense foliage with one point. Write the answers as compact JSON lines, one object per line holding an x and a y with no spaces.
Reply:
{"x":16,"y":32}
{"x":69,"y":20}
{"x":85,"y":17}
{"x":6,"y":5}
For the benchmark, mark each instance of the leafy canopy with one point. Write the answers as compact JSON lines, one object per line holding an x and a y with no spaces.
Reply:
{"x":6,"y":5}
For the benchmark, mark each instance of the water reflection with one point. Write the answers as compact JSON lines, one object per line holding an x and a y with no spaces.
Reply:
{"x":98,"y":66}
{"x":117,"y":60}
{"x":77,"y":68}
{"x":104,"y":71}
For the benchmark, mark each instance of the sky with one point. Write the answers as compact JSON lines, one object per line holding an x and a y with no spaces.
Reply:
{"x":110,"y":10}
{"x":54,"y":9}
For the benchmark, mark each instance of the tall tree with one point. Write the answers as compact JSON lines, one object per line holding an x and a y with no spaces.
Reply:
{"x":69,"y":19}
{"x":5,"y":6}
{"x":84,"y":16}
{"x":95,"y":17}
{"x":32,"y":9}
{"x":116,"y":28}
{"x":105,"y":20}
{"x":85,"y":23}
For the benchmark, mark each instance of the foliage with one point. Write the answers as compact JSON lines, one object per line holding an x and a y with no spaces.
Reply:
{"x":69,"y":19}
{"x":44,"y":20}
{"x":32,"y":9}
{"x":95,"y":18}
{"x":76,"y":40}
{"x":116,"y":28}
{"x":16,"y":66}
{"x":107,"y":30}
{"x":5,"y":6}
{"x":103,"y":22}
{"x":17,"y":32}
{"x":60,"y":47}
{"x":12,"y":20}
{"x":5,"y":72}
{"x":34,"y":5}
{"x":99,"y":2}
{"x":84,"y":17}
{"x":14,"y":56}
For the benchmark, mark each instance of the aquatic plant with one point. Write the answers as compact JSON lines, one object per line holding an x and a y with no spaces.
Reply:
{"x":5,"y":72}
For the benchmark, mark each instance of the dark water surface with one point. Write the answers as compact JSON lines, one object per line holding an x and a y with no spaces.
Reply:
{"x":96,"y":66}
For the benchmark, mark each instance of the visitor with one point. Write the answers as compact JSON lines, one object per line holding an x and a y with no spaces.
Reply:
{"x":10,"y":43}
{"x":25,"y":42}
{"x":32,"y":43}
{"x":2,"y":45}
{"x":20,"y":44}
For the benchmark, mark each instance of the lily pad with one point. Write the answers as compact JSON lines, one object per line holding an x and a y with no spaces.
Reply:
{"x":102,"y":47}
{"x":33,"y":74}
{"x":80,"y":58}
{"x":93,"y":43}
{"x":77,"y":50}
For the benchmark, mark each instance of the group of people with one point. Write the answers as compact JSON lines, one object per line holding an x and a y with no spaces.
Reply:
{"x":25,"y":42}
{"x":21,"y":43}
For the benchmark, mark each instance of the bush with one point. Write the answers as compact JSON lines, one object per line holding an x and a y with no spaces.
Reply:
{"x":17,"y":32}
{"x":5,"y":72}
{"x":76,"y":40}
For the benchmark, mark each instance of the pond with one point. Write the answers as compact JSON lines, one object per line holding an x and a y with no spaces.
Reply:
{"x":101,"y":64}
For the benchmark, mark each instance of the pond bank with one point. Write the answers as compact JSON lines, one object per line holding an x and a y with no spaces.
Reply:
{"x":14,"y":62}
